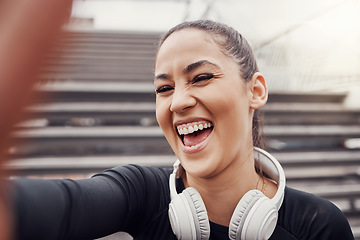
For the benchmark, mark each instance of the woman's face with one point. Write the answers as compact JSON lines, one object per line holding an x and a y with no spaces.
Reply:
{"x":202,"y":103}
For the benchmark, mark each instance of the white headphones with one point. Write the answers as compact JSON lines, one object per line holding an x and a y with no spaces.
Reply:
{"x":255,"y":215}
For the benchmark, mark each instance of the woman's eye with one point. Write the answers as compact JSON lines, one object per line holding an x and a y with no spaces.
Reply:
{"x":202,"y":77}
{"x":164,"y":89}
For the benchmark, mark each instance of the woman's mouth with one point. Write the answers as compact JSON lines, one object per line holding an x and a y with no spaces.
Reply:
{"x":194,"y":135}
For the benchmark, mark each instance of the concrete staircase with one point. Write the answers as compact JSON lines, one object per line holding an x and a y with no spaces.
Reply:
{"x":96,"y":110}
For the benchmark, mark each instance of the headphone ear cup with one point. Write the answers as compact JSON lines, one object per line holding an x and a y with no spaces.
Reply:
{"x":199,"y":213}
{"x":188,"y":216}
{"x":241,"y":211}
{"x":255,"y":217}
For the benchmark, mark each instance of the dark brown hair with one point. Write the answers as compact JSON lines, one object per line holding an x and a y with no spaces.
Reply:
{"x":235,"y":46}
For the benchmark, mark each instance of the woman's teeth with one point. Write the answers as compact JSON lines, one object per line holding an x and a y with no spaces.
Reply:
{"x":184,"y":130}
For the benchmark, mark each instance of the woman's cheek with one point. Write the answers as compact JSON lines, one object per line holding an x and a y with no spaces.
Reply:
{"x":160,"y":111}
{"x":163,"y":117}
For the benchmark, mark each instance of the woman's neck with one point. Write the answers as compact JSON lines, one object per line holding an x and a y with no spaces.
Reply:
{"x":222,"y":192}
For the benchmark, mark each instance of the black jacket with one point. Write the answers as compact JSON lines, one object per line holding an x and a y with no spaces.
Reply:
{"x":135,"y":199}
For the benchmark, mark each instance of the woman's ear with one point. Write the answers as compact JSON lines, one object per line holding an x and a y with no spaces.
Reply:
{"x":258,"y":91}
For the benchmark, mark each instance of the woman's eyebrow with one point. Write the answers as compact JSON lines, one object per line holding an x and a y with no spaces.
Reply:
{"x":162,"y":76}
{"x":196,"y":65}
{"x":191,"y":67}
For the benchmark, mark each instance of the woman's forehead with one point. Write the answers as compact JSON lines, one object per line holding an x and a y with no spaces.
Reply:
{"x":188,"y":44}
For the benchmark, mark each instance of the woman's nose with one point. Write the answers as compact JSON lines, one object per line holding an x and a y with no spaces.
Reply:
{"x":182,"y":100}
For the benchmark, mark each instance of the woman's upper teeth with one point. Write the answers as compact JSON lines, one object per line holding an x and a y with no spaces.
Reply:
{"x":193,"y":127}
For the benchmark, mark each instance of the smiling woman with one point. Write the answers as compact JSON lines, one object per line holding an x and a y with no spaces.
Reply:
{"x":208,"y":88}
{"x":199,"y":76}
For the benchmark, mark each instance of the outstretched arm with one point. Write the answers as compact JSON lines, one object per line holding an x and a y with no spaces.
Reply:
{"x":129,"y":198}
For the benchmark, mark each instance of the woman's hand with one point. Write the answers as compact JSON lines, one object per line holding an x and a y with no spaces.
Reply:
{"x":28,"y":28}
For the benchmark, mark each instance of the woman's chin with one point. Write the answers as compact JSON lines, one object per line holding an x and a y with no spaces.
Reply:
{"x":199,"y":167}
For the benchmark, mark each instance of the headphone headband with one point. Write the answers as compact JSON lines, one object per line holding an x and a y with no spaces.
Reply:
{"x":272,"y":168}
{"x":172,"y":179}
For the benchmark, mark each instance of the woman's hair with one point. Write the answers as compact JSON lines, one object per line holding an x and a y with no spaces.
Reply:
{"x":235,"y":46}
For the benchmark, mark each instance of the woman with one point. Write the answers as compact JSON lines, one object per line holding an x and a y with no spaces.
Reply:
{"x":207,"y":89}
